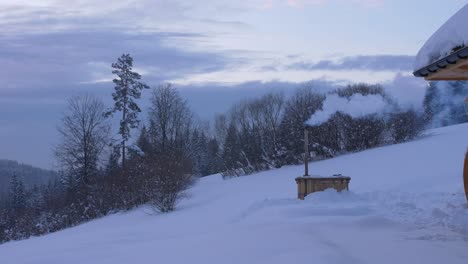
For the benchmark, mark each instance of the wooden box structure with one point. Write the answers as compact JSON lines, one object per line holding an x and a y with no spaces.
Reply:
{"x":309,"y":184}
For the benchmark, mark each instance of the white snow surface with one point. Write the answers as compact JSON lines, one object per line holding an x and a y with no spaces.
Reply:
{"x":405,"y":205}
{"x":356,"y":106}
{"x":452,"y":34}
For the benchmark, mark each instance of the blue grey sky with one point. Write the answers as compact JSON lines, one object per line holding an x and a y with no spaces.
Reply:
{"x":216,"y":51}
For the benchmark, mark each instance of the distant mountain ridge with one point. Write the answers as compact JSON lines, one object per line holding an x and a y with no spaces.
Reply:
{"x":30,"y":175}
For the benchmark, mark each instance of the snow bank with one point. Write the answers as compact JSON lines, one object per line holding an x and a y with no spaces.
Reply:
{"x":453,"y":33}
{"x":356,"y":106}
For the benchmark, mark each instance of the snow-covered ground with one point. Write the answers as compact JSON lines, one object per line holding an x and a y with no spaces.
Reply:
{"x":406,"y":205}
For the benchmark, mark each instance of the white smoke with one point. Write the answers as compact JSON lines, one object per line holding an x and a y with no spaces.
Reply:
{"x":356,"y":106}
{"x":448,"y":104}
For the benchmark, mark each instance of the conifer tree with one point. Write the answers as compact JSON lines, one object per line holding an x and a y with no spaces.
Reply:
{"x":17,"y":194}
{"x":231,"y":149}
{"x":113,"y":162}
{"x":128,"y":88}
{"x":143,"y":141}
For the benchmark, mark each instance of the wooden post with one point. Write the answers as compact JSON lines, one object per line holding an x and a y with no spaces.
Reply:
{"x":306,"y":149}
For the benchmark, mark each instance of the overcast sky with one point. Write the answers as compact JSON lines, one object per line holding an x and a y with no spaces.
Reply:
{"x":216,"y":51}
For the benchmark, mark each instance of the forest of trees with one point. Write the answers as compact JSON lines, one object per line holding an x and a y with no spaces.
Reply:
{"x":267,"y":132}
{"x":31,"y":176}
{"x":101,"y":173}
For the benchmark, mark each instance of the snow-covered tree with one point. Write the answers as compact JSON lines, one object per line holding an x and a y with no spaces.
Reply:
{"x":17,"y":194}
{"x":128,"y":88}
{"x":143,"y":142}
{"x":199,"y":151}
{"x":232,"y":149}
{"x":215,"y":162}
{"x":113,"y":162}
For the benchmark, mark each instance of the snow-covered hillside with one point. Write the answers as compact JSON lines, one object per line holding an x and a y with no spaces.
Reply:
{"x":406,"y":205}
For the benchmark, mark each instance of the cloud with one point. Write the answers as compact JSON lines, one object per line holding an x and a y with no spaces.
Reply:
{"x":23,"y":17}
{"x":54,"y":42}
{"x":363,"y":62}
{"x":79,"y":57}
{"x":297,"y":3}
{"x":268,"y":4}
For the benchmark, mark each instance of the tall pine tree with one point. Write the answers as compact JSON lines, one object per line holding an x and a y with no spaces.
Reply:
{"x":127,"y":89}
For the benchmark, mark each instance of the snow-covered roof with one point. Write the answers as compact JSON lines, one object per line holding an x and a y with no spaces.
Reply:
{"x":452,"y":36}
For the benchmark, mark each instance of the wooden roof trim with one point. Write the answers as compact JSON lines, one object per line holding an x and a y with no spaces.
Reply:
{"x":447,"y":62}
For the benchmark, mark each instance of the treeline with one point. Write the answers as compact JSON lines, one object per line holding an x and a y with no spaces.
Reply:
{"x":268,"y":132}
{"x":101,"y":173}
{"x":30,"y":175}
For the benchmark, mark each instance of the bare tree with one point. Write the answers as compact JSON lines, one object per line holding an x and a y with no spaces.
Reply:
{"x":298,"y":109}
{"x":170,"y":117}
{"x":220,"y":128}
{"x":84,"y":135}
{"x":169,"y":166}
{"x":270,"y":108}
{"x":257,"y":125}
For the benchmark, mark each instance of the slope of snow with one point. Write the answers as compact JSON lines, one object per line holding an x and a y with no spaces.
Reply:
{"x":406,"y":205}
{"x":452,"y":34}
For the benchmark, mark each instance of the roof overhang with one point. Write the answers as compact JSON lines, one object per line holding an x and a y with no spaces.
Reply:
{"x":452,"y":67}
